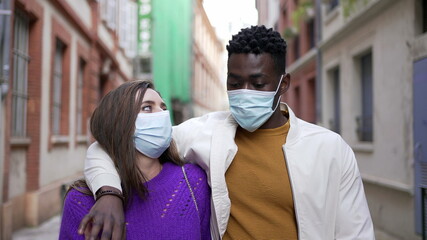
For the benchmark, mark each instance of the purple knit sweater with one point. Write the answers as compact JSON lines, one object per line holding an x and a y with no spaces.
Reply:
{"x":167,"y":213}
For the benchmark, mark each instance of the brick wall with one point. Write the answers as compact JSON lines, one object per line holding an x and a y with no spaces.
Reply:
{"x":34,"y":98}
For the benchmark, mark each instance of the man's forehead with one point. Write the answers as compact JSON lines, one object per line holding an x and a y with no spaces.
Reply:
{"x":250,"y":63}
{"x":251,"y":56}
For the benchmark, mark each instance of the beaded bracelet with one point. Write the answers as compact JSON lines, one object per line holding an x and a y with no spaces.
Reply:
{"x":109,"y":192}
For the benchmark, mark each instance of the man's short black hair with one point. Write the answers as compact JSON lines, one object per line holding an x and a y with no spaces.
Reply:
{"x":257,"y":40}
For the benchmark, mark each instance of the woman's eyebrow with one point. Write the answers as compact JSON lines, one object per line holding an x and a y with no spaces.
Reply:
{"x":148,"y":101}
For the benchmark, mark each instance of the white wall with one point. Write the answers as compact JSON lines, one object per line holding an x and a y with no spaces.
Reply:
{"x":17,"y":174}
{"x":83,"y":11}
{"x":105,"y":36}
{"x":386,"y":164}
{"x":125,"y":64}
{"x":273,"y":12}
{"x":388,"y":157}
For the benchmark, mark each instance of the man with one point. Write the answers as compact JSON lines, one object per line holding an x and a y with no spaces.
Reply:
{"x":273,"y":176}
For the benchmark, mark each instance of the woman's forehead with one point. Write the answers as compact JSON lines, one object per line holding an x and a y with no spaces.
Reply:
{"x":151,"y":95}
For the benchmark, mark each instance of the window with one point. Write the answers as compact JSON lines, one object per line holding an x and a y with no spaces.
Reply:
{"x":20,"y":74}
{"x":310,"y":33}
{"x":364,"y":121}
{"x":335,"y":122}
{"x":424,"y":15}
{"x":142,"y":67}
{"x":123,"y":23}
{"x":128,"y":29}
{"x":296,"y":48}
{"x":420,"y":16}
{"x":332,"y":4}
{"x":57,"y":87}
{"x":4,"y":46}
{"x":79,"y":110}
{"x":132,"y":30}
{"x":310,"y":106}
{"x":420,"y":143}
{"x":297,"y":101}
{"x":108,"y":12}
{"x":145,"y":65}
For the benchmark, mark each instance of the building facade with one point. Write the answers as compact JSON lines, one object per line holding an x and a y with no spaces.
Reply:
{"x":64,"y":55}
{"x":297,"y":25}
{"x":370,"y":79}
{"x":268,"y":13}
{"x":295,"y":21}
{"x":180,"y":53}
{"x":208,"y":90}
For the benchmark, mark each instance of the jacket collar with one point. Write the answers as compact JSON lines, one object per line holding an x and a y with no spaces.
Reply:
{"x":230,"y":124}
{"x":294,"y":122}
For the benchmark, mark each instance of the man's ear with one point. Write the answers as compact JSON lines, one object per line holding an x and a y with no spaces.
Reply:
{"x":285,"y":84}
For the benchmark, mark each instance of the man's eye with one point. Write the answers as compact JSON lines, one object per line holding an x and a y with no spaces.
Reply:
{"x":259,"y":85}
{"x":233,"y":85}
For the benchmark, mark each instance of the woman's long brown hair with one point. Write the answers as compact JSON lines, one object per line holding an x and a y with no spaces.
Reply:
{"x":113,"y":126}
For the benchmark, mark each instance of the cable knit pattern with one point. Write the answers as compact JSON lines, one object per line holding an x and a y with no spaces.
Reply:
{"x":167,"y":213}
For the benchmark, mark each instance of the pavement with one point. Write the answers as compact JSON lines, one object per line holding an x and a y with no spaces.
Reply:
{"x":49,"y":230}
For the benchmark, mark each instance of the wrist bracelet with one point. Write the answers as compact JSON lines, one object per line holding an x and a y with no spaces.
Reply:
{"x":109,"y":192}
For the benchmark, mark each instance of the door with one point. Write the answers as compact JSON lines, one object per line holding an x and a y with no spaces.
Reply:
{"x":420,"y":143}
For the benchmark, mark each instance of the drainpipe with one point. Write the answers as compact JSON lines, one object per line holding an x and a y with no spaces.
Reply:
{"x":318,"y":61}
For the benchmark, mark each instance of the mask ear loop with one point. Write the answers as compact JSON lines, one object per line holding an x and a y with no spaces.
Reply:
{"x":278,"y":100}
{"x":280,"y":82}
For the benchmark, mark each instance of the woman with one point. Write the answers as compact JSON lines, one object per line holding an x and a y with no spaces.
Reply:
{"x":163,"y":200}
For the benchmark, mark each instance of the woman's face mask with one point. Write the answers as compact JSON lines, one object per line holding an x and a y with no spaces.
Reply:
{"x":153,"y":133}
{"x":153,"y":127}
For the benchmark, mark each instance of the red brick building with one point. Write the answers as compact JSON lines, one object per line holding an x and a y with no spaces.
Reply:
{"x":301,"y":58}
{"x":296,"y":22}
{"x":64,"y":55}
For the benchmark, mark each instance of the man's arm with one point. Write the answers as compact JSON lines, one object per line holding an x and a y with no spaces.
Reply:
{"x":107,"y":213}
{"x":100,"y":170}
{"x":353,"y":218}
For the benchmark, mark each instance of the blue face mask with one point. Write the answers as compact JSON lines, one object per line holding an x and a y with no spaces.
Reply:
{"x":252,"y":108}
{"x":153,"y":133}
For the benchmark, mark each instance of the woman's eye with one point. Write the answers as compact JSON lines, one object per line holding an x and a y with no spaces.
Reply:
{"x":259,"y":85}
{"x":146,"y":108}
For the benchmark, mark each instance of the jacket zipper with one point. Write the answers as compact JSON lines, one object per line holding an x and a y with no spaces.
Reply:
{"x":293,"y":192}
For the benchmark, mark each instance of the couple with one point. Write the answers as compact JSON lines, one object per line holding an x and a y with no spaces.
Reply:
{"x":272,"y":175}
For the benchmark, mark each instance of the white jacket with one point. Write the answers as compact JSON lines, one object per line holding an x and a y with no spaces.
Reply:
{"x":327,"y":188}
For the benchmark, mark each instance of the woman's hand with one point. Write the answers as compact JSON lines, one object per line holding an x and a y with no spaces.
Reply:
{"x":106,"y":216}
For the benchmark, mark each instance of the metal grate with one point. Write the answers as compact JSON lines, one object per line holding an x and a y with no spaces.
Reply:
{"x":21,"y":60}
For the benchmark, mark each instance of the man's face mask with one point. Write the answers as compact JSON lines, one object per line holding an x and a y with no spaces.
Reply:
{"x":252,"y":108}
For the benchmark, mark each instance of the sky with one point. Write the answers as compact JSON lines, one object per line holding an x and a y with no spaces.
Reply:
{"x":229,"y":16}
